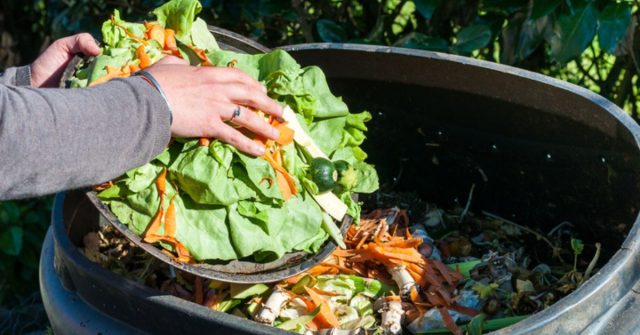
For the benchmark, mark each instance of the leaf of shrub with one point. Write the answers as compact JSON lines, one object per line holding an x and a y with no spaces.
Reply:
{"x":472,"y":38}
{"x":543,"y":8}
{"x":330,"y":31}
{"x":573,"y":33}
{"x":504,"y":7}
{"x":11,"y":241}
{"x":614,"y":20}
{"x":9,"y":211}
{"x":426,"y":7}
{"x":520,"y":39}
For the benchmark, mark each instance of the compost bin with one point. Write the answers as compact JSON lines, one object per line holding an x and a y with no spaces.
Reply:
{"x":539,"y":150}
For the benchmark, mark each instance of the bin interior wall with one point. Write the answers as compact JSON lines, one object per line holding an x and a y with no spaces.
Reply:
{"x":548,"y":155}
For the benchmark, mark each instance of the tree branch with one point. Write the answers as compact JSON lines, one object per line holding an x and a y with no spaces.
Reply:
{"x":634,"y":107}
{"x":307,"y":29}
{"x":596,"y":60}
{"x":625,"y":87}
{"x":585,"y":72}
{"x":607,"y":88}
{"x":388,"y":20}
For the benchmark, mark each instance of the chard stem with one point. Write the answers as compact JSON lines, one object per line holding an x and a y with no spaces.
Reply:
{"x":593,"y":262}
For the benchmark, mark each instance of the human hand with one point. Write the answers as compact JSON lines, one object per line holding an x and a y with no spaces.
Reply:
{"x":203,"y":98}
{"x":47,"y":69}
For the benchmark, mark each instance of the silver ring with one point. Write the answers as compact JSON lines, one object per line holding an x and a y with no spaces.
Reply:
{"x":236,"y":113}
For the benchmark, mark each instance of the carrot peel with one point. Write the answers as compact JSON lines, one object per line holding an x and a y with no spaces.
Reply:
{"x":286,"y":135}
{"x":325,"y":318}
{"x":145,"y":60}
{"x":155,"y":32}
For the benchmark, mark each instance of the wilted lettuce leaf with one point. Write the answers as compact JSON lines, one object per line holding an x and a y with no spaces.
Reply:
{"x":328,"y":132}
{"x":207,"y":181}
{"x":202,"y":38}
{"x":178,"y":15}
{"x":353,"y":207}
{"x":367,"y":178}
{"x":355,"y":129}
{"x":294,"y":226}
{"x":114,"y":37}
{"x":142,"y":177}
{"x":261,"y":175}
{"x":97,"y":69}
{"x":137,"y":209}
{"x":327,"y":105}
{"x":204,"y":230}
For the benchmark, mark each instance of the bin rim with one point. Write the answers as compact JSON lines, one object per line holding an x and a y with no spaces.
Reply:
{"x":593,"y":97}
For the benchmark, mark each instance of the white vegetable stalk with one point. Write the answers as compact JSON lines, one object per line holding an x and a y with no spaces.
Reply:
{"x":402,"y":277}
{"x":392,"y":314}
{"x":273,"y":306}
{"x":294,"y":309}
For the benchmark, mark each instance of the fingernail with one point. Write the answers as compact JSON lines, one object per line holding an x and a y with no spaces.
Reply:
{"x":258,"y":149}
{"x":275,"y":133}
{"x":264,"y":89}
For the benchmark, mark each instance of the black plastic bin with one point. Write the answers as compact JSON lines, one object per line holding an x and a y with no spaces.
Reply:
{"x":539,"y":150}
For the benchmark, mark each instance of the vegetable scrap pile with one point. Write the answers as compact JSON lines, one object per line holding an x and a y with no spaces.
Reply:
{"x":420,"y":270}
{"x":201,"y":199}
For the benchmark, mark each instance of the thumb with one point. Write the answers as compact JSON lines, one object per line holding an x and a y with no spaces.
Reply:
{"x":47,"y":68}
{"x":82,"y":43}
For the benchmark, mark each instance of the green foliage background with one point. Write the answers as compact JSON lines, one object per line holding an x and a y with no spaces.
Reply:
{"x":593,"y":43}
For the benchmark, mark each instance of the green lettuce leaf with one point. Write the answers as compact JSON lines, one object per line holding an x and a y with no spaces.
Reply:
{"x":353,"y":207}
{"x":202,"y":38}
{"x":354,"y":131}
{"x":98,"y":68}
{"x":178,"y":15}
{"x":137,"y":209}
{"x":114,"y":36}
{"x":367,"y":178}
{"x":207,"y":181}
{"x":203,"y":229}
{"x":295,"y":226}
{"x":327,"y":133}
{"x":261,"y":176}
{"x":327,"y":105}
{"x":142,"y":178}
{"x":250,"y":238}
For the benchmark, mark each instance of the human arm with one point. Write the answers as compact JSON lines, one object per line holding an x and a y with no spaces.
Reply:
{"x":16,"y":76}
{"x":56,"y":139}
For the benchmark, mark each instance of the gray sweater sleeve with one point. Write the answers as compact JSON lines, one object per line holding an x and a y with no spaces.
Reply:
{"x":17,"y":76}
{"x":57,"y":139}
